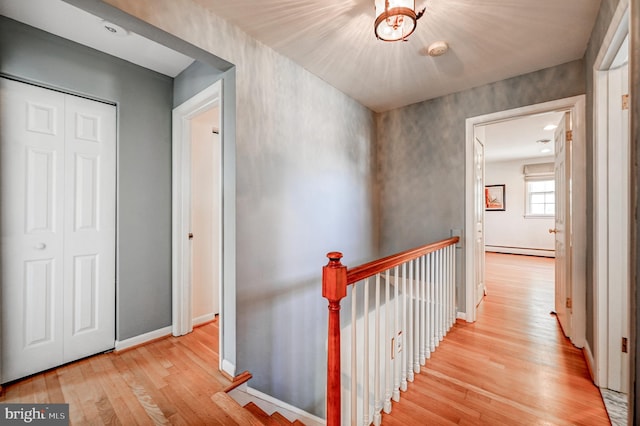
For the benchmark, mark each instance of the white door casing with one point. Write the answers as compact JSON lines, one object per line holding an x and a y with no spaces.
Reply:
{"x":618,"y":230}
{"x":181,"y":218}
{"x":563,"y":293}
{"x":57,"y":180}
{"x":478,"y":231}
{"x":611,"y":217}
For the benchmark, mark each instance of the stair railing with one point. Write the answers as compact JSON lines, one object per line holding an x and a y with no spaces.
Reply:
{"x":401,"y":307}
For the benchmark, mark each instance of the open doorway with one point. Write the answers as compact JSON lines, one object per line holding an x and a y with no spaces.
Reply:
{"x":576,"y":199}
{"x":205,"y":235}
{"x":197,"y":211}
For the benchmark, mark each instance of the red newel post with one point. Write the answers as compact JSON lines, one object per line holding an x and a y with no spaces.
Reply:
{"x":334,"y":288}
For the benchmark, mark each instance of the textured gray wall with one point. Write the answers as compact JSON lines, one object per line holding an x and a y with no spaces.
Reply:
{"x":304,"y":168}
{"x":607,"y":9}
{"x":144,"y":100}
{"x":421,"y":155}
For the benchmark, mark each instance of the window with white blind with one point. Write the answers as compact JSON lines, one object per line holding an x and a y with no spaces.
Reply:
{"x":541,"y":198}
{"x":540,"y":190}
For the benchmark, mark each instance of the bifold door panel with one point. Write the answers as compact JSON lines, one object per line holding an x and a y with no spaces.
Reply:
{"x":57,"y":192}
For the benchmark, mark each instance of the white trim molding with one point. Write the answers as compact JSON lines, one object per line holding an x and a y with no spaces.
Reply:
{"x":181,"y":204}
{"x":616,"y":33}
{"x":142,"y":339}
{"x":245,"y":394}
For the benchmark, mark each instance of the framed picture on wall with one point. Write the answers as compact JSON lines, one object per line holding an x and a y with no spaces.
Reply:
{"x":494,"y":199}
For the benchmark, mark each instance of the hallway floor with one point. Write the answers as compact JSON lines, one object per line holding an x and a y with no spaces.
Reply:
{"x":169,"y":381}
{"x":511,"y":367}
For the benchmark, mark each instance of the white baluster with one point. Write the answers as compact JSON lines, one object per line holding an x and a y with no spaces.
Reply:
{"x":411,"y":321}
{"x":434,"y":300}
{"x":417,"y":326}
{"x":454,"y":314}
{"x":428,"y":306}
{"x":403,"y":355}
{"x":423,"y":311}
{"x":365,"y":361}
{"x":354,"y":355}
{"x":451,"y":288}
{"x":420,"y":305}
{"x":396,"y":360}
{"x":387,"y":344}
{"x":377,"y":418}
{"x":441,"y":299}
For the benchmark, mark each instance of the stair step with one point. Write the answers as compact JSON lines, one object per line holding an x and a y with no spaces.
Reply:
{"x":261,"y":414}
{"x":235,"y":411}
{"x":281,"y":420}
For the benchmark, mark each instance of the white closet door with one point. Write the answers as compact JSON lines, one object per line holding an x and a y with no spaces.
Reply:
{"x":46,"y":303}
{"x":89,"y":237}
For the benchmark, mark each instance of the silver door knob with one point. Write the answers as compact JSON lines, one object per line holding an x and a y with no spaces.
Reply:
{"x":40,"y":246}
{"x":553,"y":231}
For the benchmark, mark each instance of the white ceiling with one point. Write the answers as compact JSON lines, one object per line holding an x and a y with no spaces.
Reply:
{"x":74,"y":24}
{"x":518,"y":138}
{"x":489,"y":40}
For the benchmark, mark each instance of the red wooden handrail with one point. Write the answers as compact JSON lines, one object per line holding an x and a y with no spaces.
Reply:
{"x":335,"y":279}
{"x":367,"y":270}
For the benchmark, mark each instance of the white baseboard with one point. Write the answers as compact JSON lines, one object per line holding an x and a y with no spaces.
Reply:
{"x":244,"y":395}
{"x":521,"y":250}
{"x":590,"y":362}
{"x":203,"y":319}
{"x":143,"y":338}
{"x":228,"y":368}
{"x":461,"y":315}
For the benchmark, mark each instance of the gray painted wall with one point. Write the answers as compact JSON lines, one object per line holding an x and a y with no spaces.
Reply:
{"x":305,"y":163}
{"x":607,"y":9}
{"x":421,"y":155}
{"x":144,"y":100}
{"x":194,"y":79}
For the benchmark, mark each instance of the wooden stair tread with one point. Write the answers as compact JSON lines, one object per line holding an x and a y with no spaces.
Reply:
{"x":282,"y":420}
{"x":261,"y":414}
{"x":234,"y":410}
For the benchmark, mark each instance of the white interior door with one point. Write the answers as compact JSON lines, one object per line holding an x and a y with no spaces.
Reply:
{"x":57,"y":183}
{"x":205,"y":216}
{"x":618,"y":227}
{"x":89,"y":229}
{"x":478,"y":153}
{"x":562,"y":224}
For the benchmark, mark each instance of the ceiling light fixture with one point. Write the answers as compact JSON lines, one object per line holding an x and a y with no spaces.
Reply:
{"x":396,"y":19}
{"x":550,"y":126}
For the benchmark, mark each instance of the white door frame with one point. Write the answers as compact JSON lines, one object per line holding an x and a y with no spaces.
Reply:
{"x":614,"y":37}
{"x":576,"y":105}
{"x":182,"y":321}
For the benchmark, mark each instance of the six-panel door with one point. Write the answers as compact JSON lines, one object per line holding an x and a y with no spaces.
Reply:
{"x":57,"y":192}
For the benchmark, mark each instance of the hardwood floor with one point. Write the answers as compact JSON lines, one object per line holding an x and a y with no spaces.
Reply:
{"x":169,"y":381}
{"x":513,"y":366}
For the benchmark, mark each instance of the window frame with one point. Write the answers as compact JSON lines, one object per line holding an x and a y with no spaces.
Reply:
{"x":528,"y":193}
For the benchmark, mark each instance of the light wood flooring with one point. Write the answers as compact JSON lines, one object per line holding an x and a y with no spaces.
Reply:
{"x":169,"y":381}
{"x":513,"y":366}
